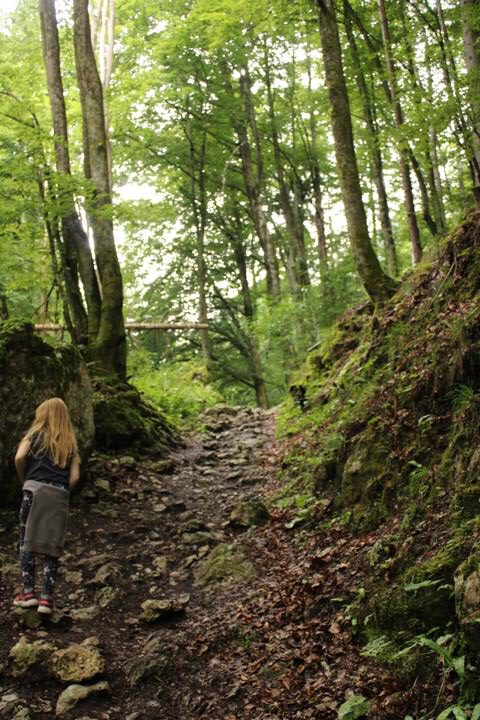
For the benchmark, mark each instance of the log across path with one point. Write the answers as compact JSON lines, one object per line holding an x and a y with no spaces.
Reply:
{"x":169,"y":606}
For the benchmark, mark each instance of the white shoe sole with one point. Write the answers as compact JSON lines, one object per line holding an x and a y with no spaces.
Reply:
{"x":43,"y":610}
{"x":26,"y":604}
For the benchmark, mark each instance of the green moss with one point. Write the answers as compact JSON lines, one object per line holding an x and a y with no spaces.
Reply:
{"x":124,"y":420}
{"x":225,"y":564}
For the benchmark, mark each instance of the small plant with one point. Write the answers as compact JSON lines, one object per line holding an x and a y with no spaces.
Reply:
{"x":464,"y":400}
{"x":355,"y":707}
{"x":419,"y":472}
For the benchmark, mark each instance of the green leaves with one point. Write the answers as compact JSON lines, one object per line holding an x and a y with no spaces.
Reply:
{"x":355,"y":707}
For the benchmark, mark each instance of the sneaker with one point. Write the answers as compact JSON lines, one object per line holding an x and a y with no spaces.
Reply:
{"x":45,"y":606}
{"x":26,"y":600}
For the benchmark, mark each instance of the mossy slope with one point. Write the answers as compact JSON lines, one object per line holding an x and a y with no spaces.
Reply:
{"x":392,"y":431}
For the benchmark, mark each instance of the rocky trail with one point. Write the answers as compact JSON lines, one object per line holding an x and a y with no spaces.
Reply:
{"x":181,"y":597}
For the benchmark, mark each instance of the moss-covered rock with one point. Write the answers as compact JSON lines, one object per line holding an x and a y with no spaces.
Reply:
{"x":32,"y":371}
{"x":225,"y":564}
{"x":367,"y":480}
{"x":423,"y":596}
{"x":123,"y":419}
{"x":249,"y":511}
{"x":467,"y":599}
{"x":26,"y":656}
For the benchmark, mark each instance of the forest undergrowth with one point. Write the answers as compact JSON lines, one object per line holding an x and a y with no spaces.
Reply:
{"x":329,"y":573}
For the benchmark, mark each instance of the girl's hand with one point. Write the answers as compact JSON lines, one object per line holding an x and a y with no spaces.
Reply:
{"x":21,"y":459}
{"x":74,"y":472}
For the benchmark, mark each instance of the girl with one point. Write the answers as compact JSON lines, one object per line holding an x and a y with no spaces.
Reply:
{"x":48,"y":464}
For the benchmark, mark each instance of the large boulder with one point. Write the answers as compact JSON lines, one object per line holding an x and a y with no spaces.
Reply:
{"x":32,"y":371}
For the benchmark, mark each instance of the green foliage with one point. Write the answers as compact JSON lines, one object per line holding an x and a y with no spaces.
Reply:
{"x":355,"y":707}
{"x":464,"y":399}
{"x":182,"y":390}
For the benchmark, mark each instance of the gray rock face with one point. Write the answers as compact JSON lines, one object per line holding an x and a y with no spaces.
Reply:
{"x":32,"y":371}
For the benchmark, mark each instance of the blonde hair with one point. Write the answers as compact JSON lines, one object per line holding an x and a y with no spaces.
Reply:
{"x":54,"y":429}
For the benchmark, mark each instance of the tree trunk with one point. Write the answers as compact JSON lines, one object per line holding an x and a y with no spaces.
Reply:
{"x":248,"y":309}
{"x":378,"y":285}
{"x":391,"y":260}
{"x":199,"y":210}
{"x":471,"y":39}
{"x":402,"y":149}
{"x":110,"y":345}
{"x":74,"y":237}
{"x":254,"y":184}
{"x":293,"y":221}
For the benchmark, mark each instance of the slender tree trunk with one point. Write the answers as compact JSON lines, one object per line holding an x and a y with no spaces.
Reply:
{"x":74,"y":237}
{"x":402,"y":149}
{"x":199,"y":208}
{"x":110,"y":345}
{"x":311,"y":149}
{"x":471,"y":39}
{"x":4,"y":314}
{"x":248,"y":309}
{"x":378,"y":285}
{"x":391,"y":260}
{"x":293,"y":221}
{"x":254,"y":184}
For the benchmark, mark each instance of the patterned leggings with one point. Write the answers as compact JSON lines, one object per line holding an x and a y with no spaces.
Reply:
{"x":27,"y":558}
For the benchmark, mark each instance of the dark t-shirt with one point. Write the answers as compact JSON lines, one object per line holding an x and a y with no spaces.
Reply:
{"x":42,"y":468}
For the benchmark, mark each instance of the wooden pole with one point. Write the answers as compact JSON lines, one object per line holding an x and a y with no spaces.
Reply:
{"x":133,"y":326}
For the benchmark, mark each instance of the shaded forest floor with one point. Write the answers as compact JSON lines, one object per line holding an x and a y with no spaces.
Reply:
{"x":278,"y":646}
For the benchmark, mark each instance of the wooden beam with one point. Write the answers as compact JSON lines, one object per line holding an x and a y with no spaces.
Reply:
{"x":133,"y":326}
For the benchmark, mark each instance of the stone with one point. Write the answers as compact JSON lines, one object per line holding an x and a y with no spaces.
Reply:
{"x":28,"y":617}
{"x":198,"y":538}
{"x":226,"y":564}
{"x":34,"y":371}
{"x":249,"y":511}
{"x":73,"y":694}
{"x":163,"y":467}
{"x":192,"y":525}
{"x":160,"y":564}
{"x":21,"y":713}
{"x":73,"y":577}
{"x":84,"y":614}
{"x":103,"y":484}
{"x":155,"y":610}
{"x":105,"y":574}
{"x":106,"y":596}
{"x":27,"y":656}
{"x":140,"y":669}
{"x":160,"y":508}
{"x":77,"y":663}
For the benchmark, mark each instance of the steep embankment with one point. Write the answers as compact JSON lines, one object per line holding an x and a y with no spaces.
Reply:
{"x":391,"y":439}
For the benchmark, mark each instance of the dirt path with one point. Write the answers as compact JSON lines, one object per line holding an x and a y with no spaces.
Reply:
{"x":137,"y":533}
{"x":275,"y":647}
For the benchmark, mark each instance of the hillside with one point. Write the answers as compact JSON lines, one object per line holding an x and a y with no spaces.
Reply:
{"x":355,"y":595}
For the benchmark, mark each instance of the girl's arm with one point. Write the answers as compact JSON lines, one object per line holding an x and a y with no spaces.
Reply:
{"x":21,"y":459}
{"x":74,"y":472}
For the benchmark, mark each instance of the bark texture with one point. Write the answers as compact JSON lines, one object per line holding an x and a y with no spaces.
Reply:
{"x":76,"y":245}
{"x":378,"y":284}
{"x":110,"y":345}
